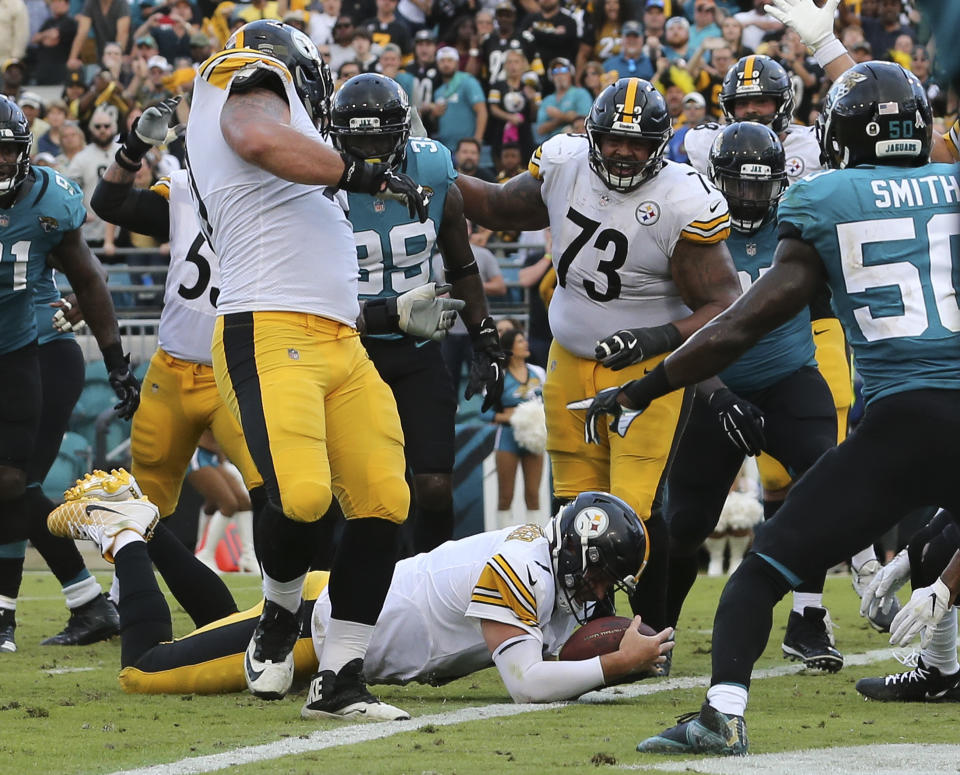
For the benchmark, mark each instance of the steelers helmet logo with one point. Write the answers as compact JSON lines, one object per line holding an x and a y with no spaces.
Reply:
{"x":648,"y":213}
{"x":794,"y":167}
{"x":304,"y":44}
{"x":591,"y":522}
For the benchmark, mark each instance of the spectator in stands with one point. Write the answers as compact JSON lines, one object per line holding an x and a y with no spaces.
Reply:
{"x":463,"y":37}
{"x":423,"y":68}
{"x":389,"y":65}
{"x":296,"y":19}
{"x":466,"y":159}
{"x":201,"y":47}
{"x":654,"y":18}
{"x":920,"y":67}
{"x":103,"y":92}
{"x":806,"y":75}
{"x":387,"y":27}
{"x":592,"y":78}
{"x":72,"y":141}
{"x":415,"y":12}
{"x":322,"y":19}
{"x":13,"y":72}
{"x":512,"y":162}
{"x":882,"y":32}
{"x":32,"y":106}
{"x":693,"y":112}
{"x":862,"y":51}
{"x":170,"y":32}
{"x":217,"y":25}
{"x":50,"y":46}
{"x":445,"y":13}
{"x":363,"y":51}
{"x":756,"y":23}
{"x":346,"y":72}
{"x":567,"y":102}
{"x":110,"y":20}
{"x":260,"y":9}
{"x":485,"y":24}
{"x":341,"y":50}
{"x":677,"y":48}
{"x":458,"y":107}
{"x":493,"y":50}
{"x":708,"y":76}
{"x":704,"y":23}
{"x":513,"y":108}
{"x":609,"y":17}
{"x":74,"y":87}
{"x":732,"y":32}
{"x":49,"y":141}
{"x":632,"y":61}
{"x":145,"y":48}
{"x":88,"y":166}
{"x":556,"y":34}
{"x":14,"y":29}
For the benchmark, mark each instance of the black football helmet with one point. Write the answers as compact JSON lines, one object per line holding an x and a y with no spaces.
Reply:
{"x":875,"y":113}
{"x":15,"y":132}
{"x":757,"y":75}
{"x":595,"y":536}
{"x":748,"y":165}
{"x":311,"y":75}
{"x":629,"y":108}
{"x":370,"y":119}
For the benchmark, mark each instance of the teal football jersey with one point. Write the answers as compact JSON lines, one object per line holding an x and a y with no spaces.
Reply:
{"x":394,"y":249}
{"x":786,"y":348}
{"x":28,"y":232}
{"x":889,"y":238}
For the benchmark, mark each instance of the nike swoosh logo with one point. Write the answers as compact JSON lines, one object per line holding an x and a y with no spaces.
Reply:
{"x":252,"y":674}
{"x":91,"y":509}
{"x":936,"y":695}
{"x":533,"y":581}
{"x":715,"y":206}
{"x":817,"y":333}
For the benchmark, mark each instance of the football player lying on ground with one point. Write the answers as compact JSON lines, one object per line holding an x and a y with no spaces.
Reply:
{"x":526,"y":587}
{"x":931,"y":562}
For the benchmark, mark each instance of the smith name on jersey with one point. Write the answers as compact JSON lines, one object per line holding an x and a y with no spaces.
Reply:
{"x":29,"y":230}
{"x":889,"y":243}
{"x":429,"y":629}
{"x":800,"y":147}
{"x":612,"y":251}
{"x":283,"y":246}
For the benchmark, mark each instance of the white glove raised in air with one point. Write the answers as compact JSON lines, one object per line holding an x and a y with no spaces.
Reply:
{"x":813,"y":24}
{"x":921,"y":615}
{"x":424,"y":315}
{"x":154,"y":125}
{"x":881,"y":593}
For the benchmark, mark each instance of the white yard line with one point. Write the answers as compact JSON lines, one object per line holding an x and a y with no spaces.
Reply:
{"x":361,"y":733}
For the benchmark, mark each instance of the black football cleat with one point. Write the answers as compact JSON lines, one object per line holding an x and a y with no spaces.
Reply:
{"x":922,"y":684}
{"x":89,"y":623}
{"x":8,"y":623}
{"x":807,"y":639}
{"x":344,"y":695}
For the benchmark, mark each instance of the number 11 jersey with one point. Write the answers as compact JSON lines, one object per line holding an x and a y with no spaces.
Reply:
{"x":612,"y":250}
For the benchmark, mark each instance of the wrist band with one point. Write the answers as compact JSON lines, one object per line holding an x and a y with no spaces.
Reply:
{"x":829,"y":51}
{"x":125,"y":163}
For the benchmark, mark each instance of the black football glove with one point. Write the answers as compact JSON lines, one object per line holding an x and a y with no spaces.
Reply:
{"x":632,"y":345}
{"x":124,"y":384}
{"x":741,"y":420}
{"x":488,"y":365}
{"x":381,"y":181}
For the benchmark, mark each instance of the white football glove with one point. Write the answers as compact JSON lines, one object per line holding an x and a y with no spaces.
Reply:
{"x":814,"y":25}
{"x":153,"y":126}
{"x":424,"y":315}
{"x":881,"y":593}
{"x":921,"y":615}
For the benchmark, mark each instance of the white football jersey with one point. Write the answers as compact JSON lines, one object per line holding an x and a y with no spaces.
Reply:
{"x":799,"y":145}
{"x":193,"y":278}
{"x":282,"y":245}
{"x":612,"y":251}
{"x":429,"y":628}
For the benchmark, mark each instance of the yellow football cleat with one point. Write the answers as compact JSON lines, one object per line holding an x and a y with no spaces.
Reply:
{"x":118,"y":485}
{"x":101,"y":522}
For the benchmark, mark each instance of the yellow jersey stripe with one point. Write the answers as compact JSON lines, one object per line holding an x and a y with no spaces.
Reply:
{"x":514,"y":579}
{"x":952,"y":139}
{"x":533,"y":167}
{"x":219,"y":69}
{"x":490,"y":577}
{"x":630,"y":101}
{"x":162,"y":187}
{"x":708,"y":224}
{"x":710,"y":239}
{"x":748,"y":71}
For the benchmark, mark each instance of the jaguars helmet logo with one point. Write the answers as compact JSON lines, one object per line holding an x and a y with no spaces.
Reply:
{"x":49,"y":224}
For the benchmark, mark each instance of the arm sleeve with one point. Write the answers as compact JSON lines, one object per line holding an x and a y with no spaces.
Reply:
{"x":529,"y":679}
{"x":143,"y":211}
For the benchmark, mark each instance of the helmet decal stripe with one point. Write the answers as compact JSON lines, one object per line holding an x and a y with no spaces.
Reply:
{"x":748,"y":71}
{"x":239,"y":37}
{"x":630,"y":101}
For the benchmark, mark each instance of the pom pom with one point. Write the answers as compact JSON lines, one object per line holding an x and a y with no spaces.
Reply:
{"x":529,"y":423}
{"x":740,"y":512}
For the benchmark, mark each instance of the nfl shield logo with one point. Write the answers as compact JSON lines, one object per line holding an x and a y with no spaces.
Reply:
{"x":4,"y":221}
{"x":379,"y":205}
{"x":751,"y":248}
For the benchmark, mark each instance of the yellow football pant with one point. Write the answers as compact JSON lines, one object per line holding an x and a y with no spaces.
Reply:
{"x":834,"y":366}
{"x":179,"y":400}
{"x":629,"y":467}
{"x":318,"y":419}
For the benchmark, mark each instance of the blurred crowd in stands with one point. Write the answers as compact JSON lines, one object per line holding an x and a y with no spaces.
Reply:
{"x":491,"y":78}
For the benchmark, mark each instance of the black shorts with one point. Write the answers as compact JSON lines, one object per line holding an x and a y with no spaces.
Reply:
{"x":61,"y":377}
{"x":800,"y":424}
{"x":902,"y":456}
{"x":426,"y":402}
{"x":20,"y":401}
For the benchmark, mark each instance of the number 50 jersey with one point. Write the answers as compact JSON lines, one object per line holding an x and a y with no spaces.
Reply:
{"x":612,"y":250}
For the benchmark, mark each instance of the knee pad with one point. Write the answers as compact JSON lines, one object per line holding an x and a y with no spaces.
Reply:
{"x":306,"y":501}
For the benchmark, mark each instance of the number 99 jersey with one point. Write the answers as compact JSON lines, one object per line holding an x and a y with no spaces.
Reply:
{"x":612,"y":250}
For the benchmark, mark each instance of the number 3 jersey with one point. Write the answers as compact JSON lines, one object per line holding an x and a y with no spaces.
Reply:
{"x":283,"y":246}
{"x":29,"y":230}
{"x":394,"y":249}
{"x":890,"y":243}
{"x":193,"y":278}
{"x":611,"y":250}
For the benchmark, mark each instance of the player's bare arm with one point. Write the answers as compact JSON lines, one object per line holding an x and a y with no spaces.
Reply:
{"x":459,"y":264}
{"x":516,"y":204}
{"x":256,"y":126}
{"x":87,"y":278}
{"x":707,"y":281}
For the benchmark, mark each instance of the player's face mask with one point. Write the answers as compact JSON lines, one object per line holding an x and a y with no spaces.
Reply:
{"x":751,"y":199}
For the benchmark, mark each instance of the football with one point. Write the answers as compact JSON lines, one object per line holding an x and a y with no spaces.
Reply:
{"x":601,"y":636}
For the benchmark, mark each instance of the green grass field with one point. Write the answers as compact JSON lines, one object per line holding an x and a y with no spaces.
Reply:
{"x":62,"y":711}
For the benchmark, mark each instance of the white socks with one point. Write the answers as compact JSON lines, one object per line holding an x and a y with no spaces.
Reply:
{"x":728,"y":698}
{"x":85,"y":590}
{"x":803,"y":600}
{"x":247,"y":562}
{"x":344,"y":641}
{"x":286,"y":594}
{"x":941,"y":652}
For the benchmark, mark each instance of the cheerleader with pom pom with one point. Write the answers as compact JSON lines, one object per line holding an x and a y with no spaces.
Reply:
{"x":741,"y":512}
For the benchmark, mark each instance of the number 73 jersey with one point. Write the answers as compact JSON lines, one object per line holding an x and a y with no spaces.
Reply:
{"x":612,"y":250}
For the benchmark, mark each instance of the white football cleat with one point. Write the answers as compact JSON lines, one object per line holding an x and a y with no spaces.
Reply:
{"x":101,"y":522}
{"x":118,"y":485}
{"x":268,"y":663}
